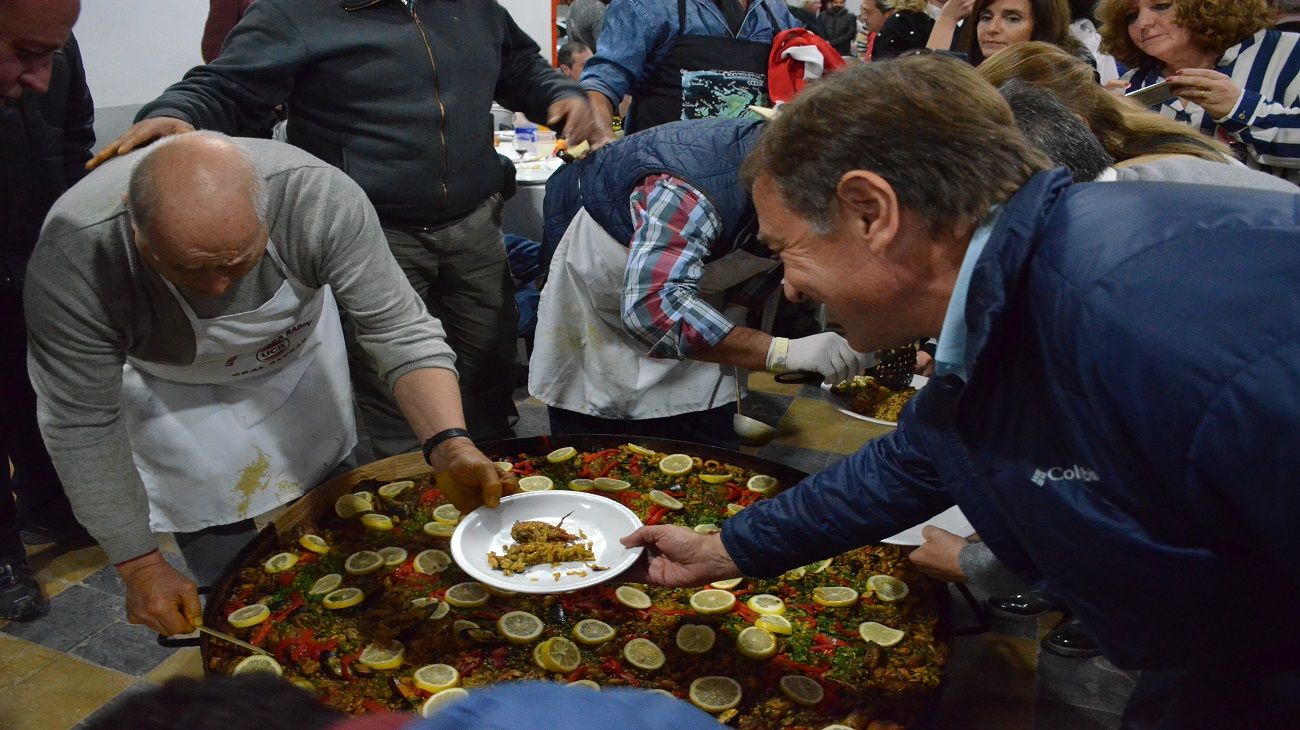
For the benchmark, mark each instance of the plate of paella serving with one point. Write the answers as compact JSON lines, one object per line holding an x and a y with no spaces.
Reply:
{"x":364,"y":606}
{"x":866,"y":399}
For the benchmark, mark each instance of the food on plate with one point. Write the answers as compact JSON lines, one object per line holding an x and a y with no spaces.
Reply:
{"x":383,"y":620}
{"x":541,"y":543}
{"x":874,"y":400}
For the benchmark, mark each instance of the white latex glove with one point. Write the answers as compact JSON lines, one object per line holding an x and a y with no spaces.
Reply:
{"x":827,"y":353}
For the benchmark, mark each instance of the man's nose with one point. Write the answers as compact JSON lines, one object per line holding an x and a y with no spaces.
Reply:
{"x":791,"y":293}
{"x":36,"y":76}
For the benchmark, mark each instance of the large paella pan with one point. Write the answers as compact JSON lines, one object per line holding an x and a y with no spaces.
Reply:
{"x":371,"y":615}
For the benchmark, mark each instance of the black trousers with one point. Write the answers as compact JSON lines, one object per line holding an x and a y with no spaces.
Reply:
{"x":1231,"y":696}
{"x":711,"y":427}
{"x":40,"y":499}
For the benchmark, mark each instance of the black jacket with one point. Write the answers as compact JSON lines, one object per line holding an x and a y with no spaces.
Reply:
{"x":903,"y":31}
{"x":45,"y":141}
{"x":809,"y":21}
{"x":840,"y":27}
{"x":399,"y":99}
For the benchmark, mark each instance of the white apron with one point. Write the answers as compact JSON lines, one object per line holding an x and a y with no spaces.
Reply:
{"x":262,"y":414}
{"x":585,"y":361}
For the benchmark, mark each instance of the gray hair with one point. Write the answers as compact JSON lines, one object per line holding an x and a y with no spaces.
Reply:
{"x":1287,"y":6}
{"x":1058,"y":132}
{"x":142,"y":190}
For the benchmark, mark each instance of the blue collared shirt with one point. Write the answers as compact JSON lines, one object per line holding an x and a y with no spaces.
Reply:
{"x":950,"y":352}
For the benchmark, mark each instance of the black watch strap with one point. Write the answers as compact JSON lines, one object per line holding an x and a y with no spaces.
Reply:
{"x":438,"y":438}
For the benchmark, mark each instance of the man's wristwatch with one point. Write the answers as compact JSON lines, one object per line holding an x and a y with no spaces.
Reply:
{"x":438,"y":438}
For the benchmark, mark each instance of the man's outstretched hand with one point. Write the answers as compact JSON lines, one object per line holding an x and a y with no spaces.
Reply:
{"x":679,"y":557}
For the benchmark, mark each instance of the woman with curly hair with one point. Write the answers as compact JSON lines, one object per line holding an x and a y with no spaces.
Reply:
{"x":1230,"y":76}
{"x":899,"y":25}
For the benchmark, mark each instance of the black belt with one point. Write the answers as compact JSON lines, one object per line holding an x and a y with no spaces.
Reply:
{"x":422,"y":226}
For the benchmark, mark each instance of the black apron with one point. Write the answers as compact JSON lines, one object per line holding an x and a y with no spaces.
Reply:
{"x":703,"y":76}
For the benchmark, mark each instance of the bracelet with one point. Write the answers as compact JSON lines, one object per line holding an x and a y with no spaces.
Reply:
{"x":438,"y":438}
{"x":776,"y":355}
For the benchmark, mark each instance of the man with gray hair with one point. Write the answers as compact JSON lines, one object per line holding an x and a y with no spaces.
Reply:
{"x":183,"y":307}
{"x":1288,"y":15}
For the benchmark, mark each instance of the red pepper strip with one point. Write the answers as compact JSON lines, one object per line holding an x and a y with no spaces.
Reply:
{"x":307,"y":558}
{"x":575,"y":675}
{"x":588,"y":458}
{"x":431,"y":496}
{"x":320,"y":647}
{"x":286,"y":578}
{"x":733,"y":492}
{"x":785,"y":661}
{"x":742,"y":591}
{"x":499,"y":656}
{"x":656,"y":514}
{"x":613,"y":666}
{"x":821,"y":638}
{"x":605,"y":472}
{"x":260,"y":635}
{"x":585,"y":472}
{"x":525,"y":467}
{"x":295,"y":600}
{"x":346,"y":660}
{"x":373,"y":706}
{"x":745,"y":612}
{"x":472,"y":665}
{"x":282,"y":648}
{"x":635,"y":466}
{"x":241,"y":598}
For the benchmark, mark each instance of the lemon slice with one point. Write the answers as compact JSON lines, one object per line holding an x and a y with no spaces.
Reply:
{"x":733,"y":508}
{"x":879,"y":633}
{"x":774,"y":624}
{"x":280,"y":562}
{"x":432,"y":561}
{"x":888,"y":588}
{"x":801,"y":689}
{"x":325,"y":584}
{"x":794,"y":574}
{"x":303,"y":684}
{"x":763,"y":484}
{"x":632,"y":597}
{"x":434,"y":678}
{"x":756,"y":643}
{"x":422,"y":601}
{"x":644,"y":654}
{"x":438,"y":529}
{"x":535,"y":483}
{"x":715,"y":694}
{"x":383,"y":656}
{"x":467,"y":595}
{"x":499,"y":593}
{"x":589,"y":684}
{"x":564,"y":453}
{"x":519,"y":627}
{"x":727,"y":584}
{"x":362,"y":562}
{"x":636,"y":449}
{"x":537,"y":654}
{"x":343,"y":598}
{"x":393,"y":555}
{"x":663,"y":499}
{"x":715,"y":478}
{"x":712,"y":600}
{"x":591,"y":632}
{"x":558,"y":654}
{"x":314,"y":543}
{"x":695,"y":638}
{"x":442,"y":609}
{"x":606,"y":484}
{"x":250,"y":615}
{"x":675,"y":465}
{"x":348,"y":505}
{"x":256,"y":664}
{"x":835,"y":596}
{"x":392,"y":489}
{"x":376,"y":521}
{"x":707,"y":528}
{"x":766,"y":603}
{"x":505,"y":467}
{"x":441,"y":700}
{"x":837,"y":726}
{"x":820,"y":566}
{"x":664,"y":692}
{"x":447,"y":514}
{"x":581,"y":485}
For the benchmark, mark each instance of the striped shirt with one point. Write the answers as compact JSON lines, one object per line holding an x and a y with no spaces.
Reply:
{"x":676,"y":228}
{"x":1266,"y":119}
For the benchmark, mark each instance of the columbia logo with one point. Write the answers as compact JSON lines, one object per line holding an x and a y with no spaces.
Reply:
{"x":1074,"y":473}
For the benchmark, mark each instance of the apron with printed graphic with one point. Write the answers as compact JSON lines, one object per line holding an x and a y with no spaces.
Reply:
{"x":702,"y":77}
{"x":262,"y":414}
{"x":583,"y":358}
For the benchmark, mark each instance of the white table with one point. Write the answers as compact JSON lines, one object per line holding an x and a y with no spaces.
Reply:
{"x":523,"y":213}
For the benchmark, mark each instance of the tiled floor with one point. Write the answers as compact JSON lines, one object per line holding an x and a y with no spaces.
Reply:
{"x":59,"y":671}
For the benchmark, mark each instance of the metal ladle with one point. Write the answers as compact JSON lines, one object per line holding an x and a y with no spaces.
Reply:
{"x":750,"y":430}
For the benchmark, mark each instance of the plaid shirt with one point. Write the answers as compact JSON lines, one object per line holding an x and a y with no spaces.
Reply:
{"x":676,"y":228}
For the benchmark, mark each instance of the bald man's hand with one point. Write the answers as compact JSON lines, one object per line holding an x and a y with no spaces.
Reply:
{"x":139,"y":135}
{"x":159,"y":597}
{"x":467,"y":478}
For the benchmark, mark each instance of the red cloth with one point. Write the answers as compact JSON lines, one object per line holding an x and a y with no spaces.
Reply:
{"x":785,"y":75}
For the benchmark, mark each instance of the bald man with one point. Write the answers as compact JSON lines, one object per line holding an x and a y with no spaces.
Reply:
{"x":183,"y":307}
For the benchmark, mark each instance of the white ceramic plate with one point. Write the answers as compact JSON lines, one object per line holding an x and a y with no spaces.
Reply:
{"x":842,"y":402}
{"x":602,"y":519}
{"x":950,"y":519}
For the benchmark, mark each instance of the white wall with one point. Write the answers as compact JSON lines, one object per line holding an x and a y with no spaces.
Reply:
{"x":134,"y":49}
{"x":534,"y":17}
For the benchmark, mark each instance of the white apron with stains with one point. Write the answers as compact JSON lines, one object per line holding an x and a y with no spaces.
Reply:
{"x":261,"y":415}
{"x":585,"y":361}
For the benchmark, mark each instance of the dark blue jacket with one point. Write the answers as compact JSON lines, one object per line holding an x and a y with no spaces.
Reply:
{"x":1130,"y":431}
{"x":707,"y":153}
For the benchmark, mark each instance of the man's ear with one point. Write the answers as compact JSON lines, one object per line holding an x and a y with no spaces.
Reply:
{"x":869,"y":206}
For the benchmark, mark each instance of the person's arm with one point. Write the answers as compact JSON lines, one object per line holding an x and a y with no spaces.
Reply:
{"x":529,"y":84}
{"x":945,"y":28}
{"x":235,"y":94}
{"x":78,"y":118}
{"x":223,"y":15}
{"x":633,"y":41}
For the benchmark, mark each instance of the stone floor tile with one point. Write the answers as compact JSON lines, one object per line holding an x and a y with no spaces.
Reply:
{"x":764,"y":383}
{"x":127,"y":648}
{"x":993,"y":664}
{"x":74,"y":616}
{"x":815,"y":424}
{"x":57,"y":569}
{"x":113,"y":704}
{"x":187,"y":662}
{"x":1050,"y":715}
{"x":20,"y":659}
{"x":532,"y":419}
{"x":769,"y":408}
{"x":58,"y":696}
{"x":1092,"y":683}
{"x":808,"y":460}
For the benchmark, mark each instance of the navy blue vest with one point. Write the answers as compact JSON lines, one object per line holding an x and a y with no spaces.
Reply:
{"x":707,"y":153}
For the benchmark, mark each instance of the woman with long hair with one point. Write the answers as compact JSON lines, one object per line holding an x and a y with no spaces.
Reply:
{"x":996,"y":24}
{"x":1230,"y":76}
